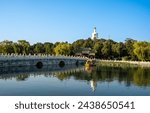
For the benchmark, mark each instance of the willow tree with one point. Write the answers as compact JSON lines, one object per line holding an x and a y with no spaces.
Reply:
{"x":142,"y":50}
{"x":62,"y":49}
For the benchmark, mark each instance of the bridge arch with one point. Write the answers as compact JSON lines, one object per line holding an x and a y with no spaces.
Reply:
{"x":62,"y":63}
{"x":39,"y":64}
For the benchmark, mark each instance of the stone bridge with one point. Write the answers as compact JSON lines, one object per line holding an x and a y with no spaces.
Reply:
{"x":39,"y":60}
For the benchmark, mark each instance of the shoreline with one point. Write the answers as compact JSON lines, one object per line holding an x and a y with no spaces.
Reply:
{"x":137,"y":63}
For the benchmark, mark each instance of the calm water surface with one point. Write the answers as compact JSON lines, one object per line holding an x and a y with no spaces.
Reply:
{"x":72,"y":80}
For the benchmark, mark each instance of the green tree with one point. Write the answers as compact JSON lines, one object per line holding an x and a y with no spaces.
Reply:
{"x":63,"y":49}
{"x":6,"y":47}
{"x":142,"y":50}
{"x":1,"y":48}
{"x":129,"y":48}
{"x":119,"y":50}
{"x":38,"y":48}
{"x":17,"y":48}
{"x":107,"y":49}
{"x":98,"y":47}
{"x":48,"y":48}
{"x":24,"y":46}
{"x":77,"y":45}
{"x":89,"y":43}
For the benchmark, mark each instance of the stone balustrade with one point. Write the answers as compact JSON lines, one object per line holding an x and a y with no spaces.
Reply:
{"x":18,"y":56}
{"x":37,"y":59}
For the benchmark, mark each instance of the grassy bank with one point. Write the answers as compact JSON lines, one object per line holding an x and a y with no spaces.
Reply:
{"x":118,"y":63}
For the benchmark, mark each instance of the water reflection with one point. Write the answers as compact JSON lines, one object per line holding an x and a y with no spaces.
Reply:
{"x":128,"y":76}
{"x":22,"y":73}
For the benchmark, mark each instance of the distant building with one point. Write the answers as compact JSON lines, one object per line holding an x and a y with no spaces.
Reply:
{"x":94,"y":34}
{"x":87,"y":52}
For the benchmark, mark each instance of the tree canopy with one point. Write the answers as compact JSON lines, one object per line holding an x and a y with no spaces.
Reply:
{"x":63,"y":49}
{"x":105,"y":49}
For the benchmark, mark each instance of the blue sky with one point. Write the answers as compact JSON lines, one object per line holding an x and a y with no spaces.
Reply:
{"x":69,"y":20}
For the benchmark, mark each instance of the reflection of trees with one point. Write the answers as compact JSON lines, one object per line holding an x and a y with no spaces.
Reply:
{"x":128,"y":75}
{"x":22,"y":77}
{"x":62,"y":76}
{"x":141,"y":77}
{"x":123,"y":74}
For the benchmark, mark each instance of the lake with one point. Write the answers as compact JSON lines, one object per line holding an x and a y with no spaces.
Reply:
{"x":72,"y":80}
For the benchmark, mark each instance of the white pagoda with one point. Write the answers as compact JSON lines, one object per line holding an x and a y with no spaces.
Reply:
{"x":94,"y":34}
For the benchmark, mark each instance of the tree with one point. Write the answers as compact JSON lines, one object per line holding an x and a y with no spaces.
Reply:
{"x":119,"y":50}
{"x":62,"y":49}
{"x":48,"y":48}
{"x":24,"y":46}
{"x":107,"y":49}
{"x":129,"y":48}
{"x":98,"y":47}
{"x":6,"y":47}
{"x":77,"y":45}
{"x":38,"y":48}
{"x":17,"y":48}
{"x":89,"y":43}
{"x":1,"y":48}
{"x":142,"y":50}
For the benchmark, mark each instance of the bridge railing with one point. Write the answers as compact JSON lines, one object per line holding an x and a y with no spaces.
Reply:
{"x":37,"y":56}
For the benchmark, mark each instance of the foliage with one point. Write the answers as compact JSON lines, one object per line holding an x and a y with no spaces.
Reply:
{"x":62,"y":49}
{"x":48,"y":47}
{"x":24,"y":46}
{"x":142,"y":50}
{"x":98,"y":47}
{"x":104,"y":49}
{"x":38,"y":48}
{"x":107,"y":49}
{"x":6,"y":47}
{"x":129,"y":48}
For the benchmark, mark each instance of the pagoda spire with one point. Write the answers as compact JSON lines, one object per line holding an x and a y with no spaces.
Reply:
{"x":94,"y":34}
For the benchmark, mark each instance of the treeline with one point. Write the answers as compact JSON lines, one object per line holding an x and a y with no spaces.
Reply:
{"x":104,"y":49}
